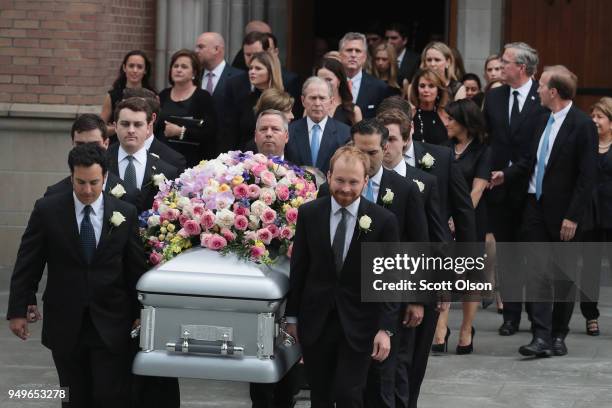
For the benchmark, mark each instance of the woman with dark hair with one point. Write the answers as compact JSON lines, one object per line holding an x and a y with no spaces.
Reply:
{"x":342,"y":107}
{"x":428,"y":95}
{"x":465,"y":125}
{"x":187,"y":118}
{"x":473,"y":88}
{"x":134,"y":72}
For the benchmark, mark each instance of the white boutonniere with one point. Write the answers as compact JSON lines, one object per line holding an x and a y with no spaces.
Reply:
{"x":387,"y":199}
{"x":364,"y":224}
{"x":116,"y":220}
{"x":158,"y":179}
{"x":154,"y":155}
{"x":118,"y":191}
{"x":427,"y":162}
{"x":420,"y":184}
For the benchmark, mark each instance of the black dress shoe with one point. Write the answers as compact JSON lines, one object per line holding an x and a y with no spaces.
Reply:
{"x":537,"y":348}
{"x":469,"y":348}
{"x":442,"y":347}
{"x":558,"y":346}
{"x":508,"y":328}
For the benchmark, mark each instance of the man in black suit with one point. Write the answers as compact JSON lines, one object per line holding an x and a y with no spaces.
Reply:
{"x":314,"y":138}
{"x":338,"y":333}
{"x":141,"y":171}
{"x":367,"y":90}
{"x":511,"y":111}
{"x":408,"y":61}
{"x":90,"y":299}
{"x":255,"y":25}
{"x":210,"y":48}
{"x":558,"y":174}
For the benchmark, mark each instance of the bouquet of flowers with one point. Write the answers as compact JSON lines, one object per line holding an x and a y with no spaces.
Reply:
{"x":242,"y":203}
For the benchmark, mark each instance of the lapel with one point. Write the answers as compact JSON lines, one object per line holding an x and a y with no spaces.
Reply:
{"x":419,"y":152}
{"x":505,"y":106}
{"x":362,"y":87}
{"x":71,"y":229}
{"x":327,"y":142}
{"x":303,"y":142}
{"x":150,"y":170}
{"x":358,"y":236}
{"x":221,"y":83}
{"x":113,"y":165}
{"x":562,"y":136}
{"x":384,"y":184}
{"x":530,"y":102}
{"x":105,"y":235}
{"x":324,"y":228}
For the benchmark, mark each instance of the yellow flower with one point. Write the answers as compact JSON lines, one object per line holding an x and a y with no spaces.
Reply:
{"x":171,"y":227}
{"x":224,"y":187}
{"x":172,"y":205}
{"x":169,"y":235}
{"x":163,"y":230}
{"x":286,"y":207}
{"x":259,"y":243}
{"x":296,"y":202}
{"x":237,"y":180}
{"x":299,"y":186}
{"x":165,"y":223}
{"x":161,"y":237}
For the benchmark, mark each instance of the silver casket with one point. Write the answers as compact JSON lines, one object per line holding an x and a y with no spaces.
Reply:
{"x":216,"y":317}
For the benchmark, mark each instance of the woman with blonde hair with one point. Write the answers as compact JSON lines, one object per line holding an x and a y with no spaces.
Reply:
{"x":429,"y":96}
{"x":438,"y":57}
{"x":385,"y":65}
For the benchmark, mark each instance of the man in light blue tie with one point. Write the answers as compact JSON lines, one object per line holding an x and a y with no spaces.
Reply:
{"x":314,"y":138}
{"x":558,"y":175}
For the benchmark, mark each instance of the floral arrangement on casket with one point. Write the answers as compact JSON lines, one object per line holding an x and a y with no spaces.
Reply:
{"x":241,"y":203}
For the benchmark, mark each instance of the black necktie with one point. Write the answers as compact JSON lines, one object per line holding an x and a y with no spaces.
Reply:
{"x":88,"y":236}
{"x":514,"y":114}
{"x":129,"y":177}
{"x":339,"y":239}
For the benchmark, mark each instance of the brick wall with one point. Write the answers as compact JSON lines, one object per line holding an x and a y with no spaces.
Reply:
{"x":69,"y":52}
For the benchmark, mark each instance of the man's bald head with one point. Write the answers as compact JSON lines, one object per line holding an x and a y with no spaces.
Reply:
{"x":210,"y":48}
{"x":257,"y":25}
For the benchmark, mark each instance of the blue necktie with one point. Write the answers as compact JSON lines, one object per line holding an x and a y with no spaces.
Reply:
{"x":339,"y":240}
{"x":88,"y":236}
{"x":314,"y":144}
{"x":129,"y":177}
{"x":369,"y":193}
{"x":541,"y":166}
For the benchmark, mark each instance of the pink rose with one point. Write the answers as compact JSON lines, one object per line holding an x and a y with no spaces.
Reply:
{"x":241,"y":222}
{"x":286,"y":233}
{"x":207,"y":220}
{"x":268,"y":216}
{"x":182,"y":233}
{"x":274,"y":230}
{"x":264,"y":235}
{"x":183,"y":219}
{"x":258,"y":169}
{"x":227,"y":234}
{"x":290,"y":250}
{"x":257,"y":252}
{"x":291,"y":215}
{"x":205,"y":239}
{"x":217,"y":242}
{"x":240,"y":210}
{"x":155,"y":258}
{"x":241,"y":191}
{"x":171,"y":214}
{"x":254,"y":191}
{"x":282,"y":192}
{"x":250,"y":236}
{"x":192,"y":227}
{"x":198,"y":210}
{"x":268,"y":178}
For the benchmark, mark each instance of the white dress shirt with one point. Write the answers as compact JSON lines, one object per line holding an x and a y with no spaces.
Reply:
{"x":149,"y":142}
{"x":217,"y":71}
{"x":95,"y":216}
{"x":375,"y":184}
{"x":356,"y":84}
{"x":400,"y":57}
{"x":409,"y":156}
{"x":335,"y":216}
{"x":400,"y":168}
{"x":522,"y":96}
{"x":310,"y":124}
{"x":559,"y":118}
{"x":140,"y":163}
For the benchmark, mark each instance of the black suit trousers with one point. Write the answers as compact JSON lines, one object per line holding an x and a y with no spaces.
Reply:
{"x":546,"y":279}
{"x":276,"y":395}
{"x":95,"y":377}
{"x":336,"y":373}
{"x":380,"y":389}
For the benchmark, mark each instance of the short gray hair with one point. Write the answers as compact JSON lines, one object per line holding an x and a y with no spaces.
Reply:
{"x":275,"y":113}
{"x":525,"y":55}
{"x":316,"y":80}
{"x":352,"y":37}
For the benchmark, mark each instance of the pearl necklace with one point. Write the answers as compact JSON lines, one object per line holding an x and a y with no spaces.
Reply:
{"x":462,"y":150}
{"x":433,"y":122}
{"x":604,"y":147}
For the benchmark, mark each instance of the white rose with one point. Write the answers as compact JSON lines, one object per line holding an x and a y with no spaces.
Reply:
{"x":117,"y":218}
{"x":388,"y":197}
{"x":224,"y":218}
{"x":420,"y":184}
{"x":280,"y":171}
{"x":428,"y":160}
{"x":258,"y":207}
{"x":118,"y":191}
{"x":365,"y":222}
{"x":253,"y":222}
{"x":154,"y":155}
{"x":158,"y":179}
{"x":182,"y":202}
{"x":153,"y":221}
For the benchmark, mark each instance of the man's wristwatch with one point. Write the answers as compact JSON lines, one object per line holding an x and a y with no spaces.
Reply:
{"x":389,"y":333}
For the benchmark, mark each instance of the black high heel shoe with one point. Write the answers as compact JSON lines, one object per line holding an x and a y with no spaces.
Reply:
{"x":442,"y":347}
{"x":469,"y":348}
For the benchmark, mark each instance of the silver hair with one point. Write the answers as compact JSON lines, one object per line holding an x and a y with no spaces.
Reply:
{"x":275,"y":113}
{"x":525,"y":55}
{"x":352,"y":37}
{"x":317,"y":80}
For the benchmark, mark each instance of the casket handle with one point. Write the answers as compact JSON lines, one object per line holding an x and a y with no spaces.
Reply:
{"x":224,"y":348}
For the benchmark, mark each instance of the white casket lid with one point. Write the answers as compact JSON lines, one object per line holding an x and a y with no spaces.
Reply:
{"x":203,"y":272}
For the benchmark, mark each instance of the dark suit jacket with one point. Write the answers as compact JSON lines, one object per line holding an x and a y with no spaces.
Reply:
{"x":455,"y":197}
{"x":408,"y":67}
{"x":371,"y":92}
{"x":601,"y":209}
{"x":316,"y":290}
{"x":168,"y":154}
{"x":223,"y":108}
{"x":335,"y":135}
{"x":509,"y":145}
{"x":407,"y":205}
{"x":155,"y":165}
{"x":107,"y":287}
{"x":65,"y":186}
{"x":570,"y":173}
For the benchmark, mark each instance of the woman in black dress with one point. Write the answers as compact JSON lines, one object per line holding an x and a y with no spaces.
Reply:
{"x":466,"y":131}
{"x":187,"y":119}
{"x":135,"y":72}
{"x":428,"y":95}
{"x":342,"y":107}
